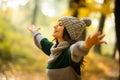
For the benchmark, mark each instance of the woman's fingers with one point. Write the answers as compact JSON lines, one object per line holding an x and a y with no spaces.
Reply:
{"x":32,"y":28}
{"x":96,"y":34}
{"x":97,"y":38}
{"x":29,"y":28}
{"x":101,"y":36}
{"x":102,"y":42}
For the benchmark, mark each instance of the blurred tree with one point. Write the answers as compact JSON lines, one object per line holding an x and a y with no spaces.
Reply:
{"x":117,"y":23}
{"x":5,"y":43}
{"x":35,"y":11}
{"x":115,"y":50}
{"x":97,"y":48}
{"x":75,"y":5}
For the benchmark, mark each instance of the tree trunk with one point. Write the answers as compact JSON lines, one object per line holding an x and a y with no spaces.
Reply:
{"x":117,"y":23}
{"x":97,"y":48}
{"x":114,"y":50}
{"x":35,"y":11}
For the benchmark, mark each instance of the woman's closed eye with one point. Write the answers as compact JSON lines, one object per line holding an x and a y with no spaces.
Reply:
{"x":60,"y":24}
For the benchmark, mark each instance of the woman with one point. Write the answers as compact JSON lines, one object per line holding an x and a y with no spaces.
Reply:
{"x":66,"y":55}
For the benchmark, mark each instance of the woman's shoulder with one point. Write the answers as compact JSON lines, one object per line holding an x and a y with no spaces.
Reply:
{"x":77,"y":44}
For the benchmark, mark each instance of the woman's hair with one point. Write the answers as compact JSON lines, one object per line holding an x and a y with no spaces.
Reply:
{"x":66,"y":37}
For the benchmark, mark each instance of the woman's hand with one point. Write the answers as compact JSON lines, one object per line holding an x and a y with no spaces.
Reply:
{"x":32,"y":28}
{"x":95,"y":39}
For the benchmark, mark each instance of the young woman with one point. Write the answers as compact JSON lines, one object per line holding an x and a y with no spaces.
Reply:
{"x":66,"y":55}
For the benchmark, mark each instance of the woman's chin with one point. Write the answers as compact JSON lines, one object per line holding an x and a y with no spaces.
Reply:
{"x":53,"y":35}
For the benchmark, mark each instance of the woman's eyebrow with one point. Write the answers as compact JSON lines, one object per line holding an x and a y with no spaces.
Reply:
{"x":60,"y":23}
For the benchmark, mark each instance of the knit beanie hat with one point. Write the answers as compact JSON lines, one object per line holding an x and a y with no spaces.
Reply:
{"x":74,"y":26}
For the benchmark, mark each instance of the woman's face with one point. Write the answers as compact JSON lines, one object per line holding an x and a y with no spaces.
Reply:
{"x":58,"y":30}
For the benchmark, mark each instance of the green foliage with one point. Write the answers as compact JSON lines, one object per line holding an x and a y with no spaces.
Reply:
{"x":15,"y":50}
{"x":10,"y":42}
{"x":5,"y":53}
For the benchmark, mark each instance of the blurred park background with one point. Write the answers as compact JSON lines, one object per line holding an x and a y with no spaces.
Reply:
{"x":20,"y":59}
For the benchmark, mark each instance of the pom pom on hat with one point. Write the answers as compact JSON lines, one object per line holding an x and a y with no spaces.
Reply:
{"x":74,"y":26}
{"x":87,"y":21}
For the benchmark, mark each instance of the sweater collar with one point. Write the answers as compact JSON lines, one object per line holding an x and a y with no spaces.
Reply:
{"x":56,"y":51}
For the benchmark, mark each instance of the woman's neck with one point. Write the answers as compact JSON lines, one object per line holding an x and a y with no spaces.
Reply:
{"x":60,"y":40}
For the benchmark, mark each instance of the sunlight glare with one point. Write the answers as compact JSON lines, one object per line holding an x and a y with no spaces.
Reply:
{"x":47,"y":9}
{"x":50,"y":9}
{"x":108,"y":23}
{"x":95,"y":22}
{"x":100,"y":1}
{"x":16,"y":3}
{"x":0,"y":2}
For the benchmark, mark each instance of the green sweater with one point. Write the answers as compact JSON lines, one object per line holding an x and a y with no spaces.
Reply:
{"x":70,"y":57}
{"x":64,"y":60}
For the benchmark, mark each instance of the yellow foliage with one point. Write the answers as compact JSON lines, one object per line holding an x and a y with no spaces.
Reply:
{"x":83,"y":12}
